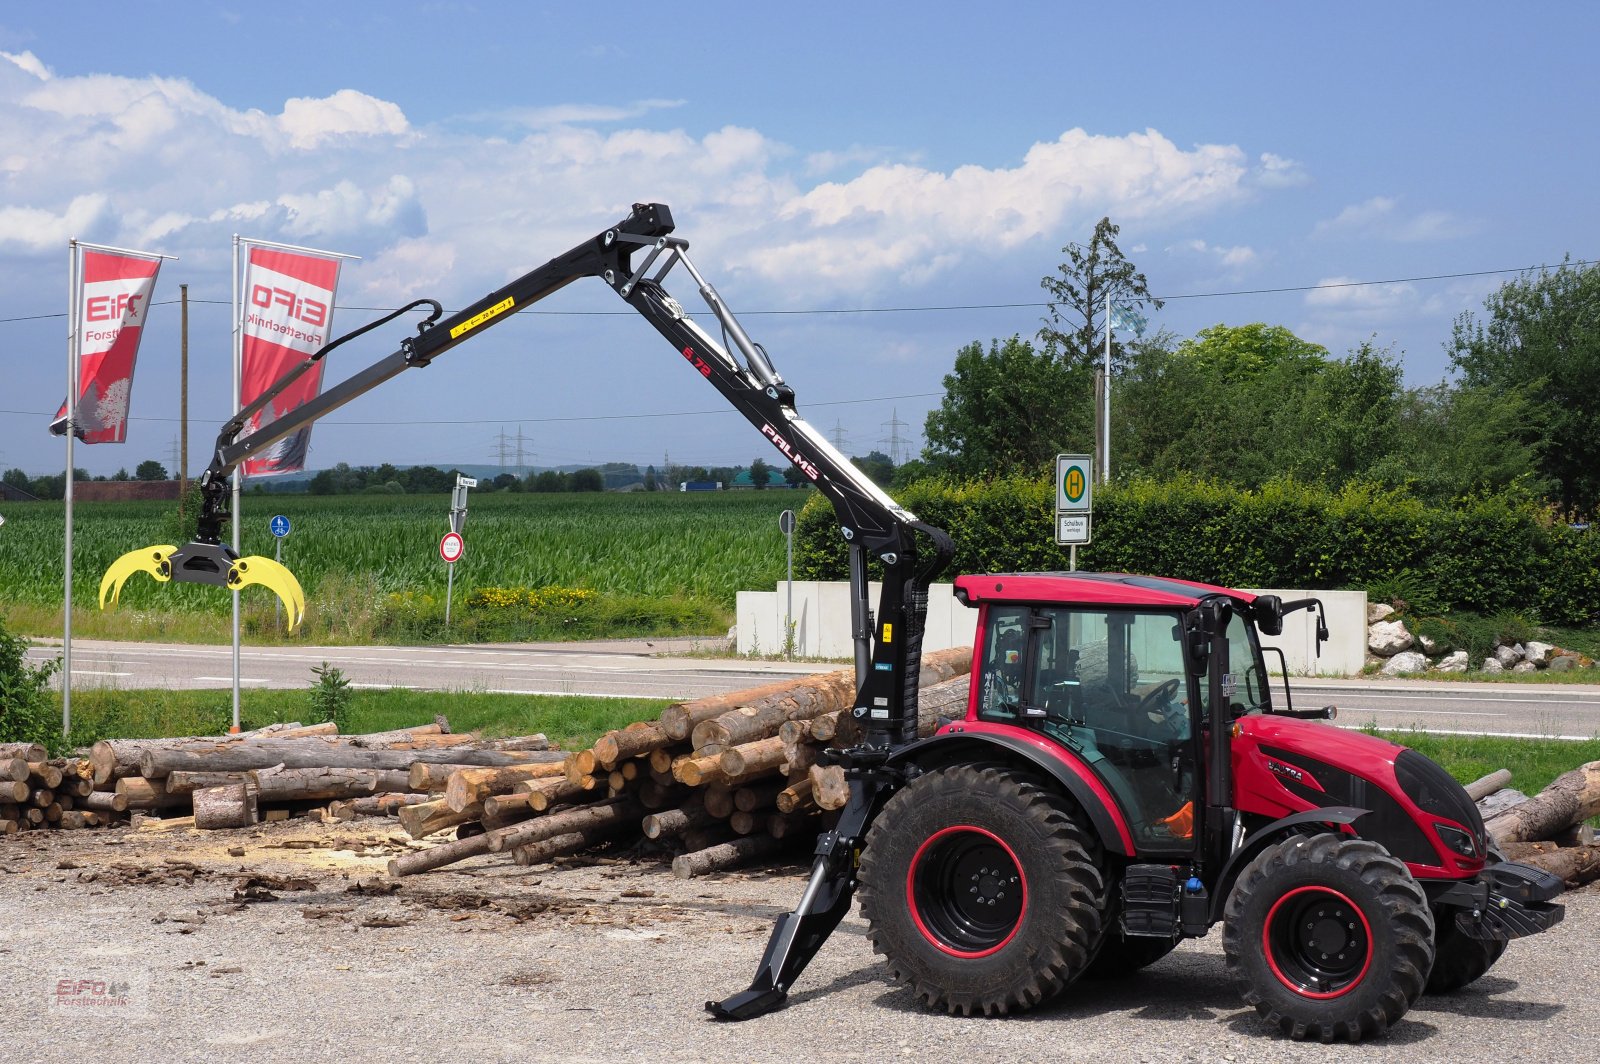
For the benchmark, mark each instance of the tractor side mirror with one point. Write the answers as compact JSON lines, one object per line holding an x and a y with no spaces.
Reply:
{"x":1267,"y":611}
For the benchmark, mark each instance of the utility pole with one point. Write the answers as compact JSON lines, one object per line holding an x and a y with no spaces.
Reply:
{"x":183,"y":401}
{"x":840,"y":441}
{"x":503,"y":447}
{"x":896,"y":444}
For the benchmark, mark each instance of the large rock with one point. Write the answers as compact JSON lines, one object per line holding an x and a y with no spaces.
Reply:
{"x":1429,"y":647}
{"x":1538,"y":653}
{"x":1508,"y":656}
{"x":1456,"y":662}
{"x":1524,"y":666}
{"x":1379,"y":611}
{"x":1493,"y":665}
{"x":1405,"y":661}
{"x":1563,"y":663}
{"x":1388,"y":638}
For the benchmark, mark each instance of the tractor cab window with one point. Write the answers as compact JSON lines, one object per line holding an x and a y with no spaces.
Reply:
{"x":1251,"y":694}
{"x":1110,"y":686}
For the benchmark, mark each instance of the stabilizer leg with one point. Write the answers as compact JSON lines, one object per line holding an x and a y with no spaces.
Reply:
{"x":798,"y":935}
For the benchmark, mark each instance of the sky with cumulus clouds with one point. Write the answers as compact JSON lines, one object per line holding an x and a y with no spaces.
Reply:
{"x":845,"y":173}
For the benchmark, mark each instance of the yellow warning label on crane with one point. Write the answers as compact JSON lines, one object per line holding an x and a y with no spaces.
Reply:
{"x":888,"y":633}
{"x":482,"y":316}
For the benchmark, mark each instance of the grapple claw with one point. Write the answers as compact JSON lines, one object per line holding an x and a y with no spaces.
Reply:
{"x":152,"y":560}
{"x":274,"y":576}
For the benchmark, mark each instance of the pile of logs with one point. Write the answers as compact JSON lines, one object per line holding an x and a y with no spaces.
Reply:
{"x":1548,"y":830}
{"x":288,"y":769}
{"x":37,"y":792}
{"x":721,"y":781}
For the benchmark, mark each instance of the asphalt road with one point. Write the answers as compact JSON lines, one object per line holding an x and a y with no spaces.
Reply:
{"x":620,"y":668}
{"x":658,"y":669}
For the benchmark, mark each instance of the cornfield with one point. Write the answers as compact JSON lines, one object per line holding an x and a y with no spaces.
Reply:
{"x":662,"y":544}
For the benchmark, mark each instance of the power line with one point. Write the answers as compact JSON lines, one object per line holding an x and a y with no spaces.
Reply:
{"x":547,"y":420}
{"x":941,"y":308}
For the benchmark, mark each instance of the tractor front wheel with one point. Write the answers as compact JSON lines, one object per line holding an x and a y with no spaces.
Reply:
{"x":982,"y":890}
{"x":1330,"y":936}
{"x":1458,"y":958}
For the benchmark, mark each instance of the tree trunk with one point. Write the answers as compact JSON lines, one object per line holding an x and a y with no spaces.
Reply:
{"x":105,"y":802}
{"x":374,"y":805}
{"x":470,"y":786}
{"x":1480,"y":789}
{"x":724,"y":856}
{"x":408,"y":864}
{"x":233,"y":806}
{"x":313,"y":753}
{"x":671,"y":823}
{"x":753,"y":757}
{"x":580,"y":818}
{"x":1574,"y":864}
{"x":425,"y":818}
{"x":614,"y":746}
{"x":829,"y":788}
{"x":26,"y":751}
{"x":14,"y":791}
{"x":14,"y":769}
{"x":796,"y":797}
{"x":1571,"y":799}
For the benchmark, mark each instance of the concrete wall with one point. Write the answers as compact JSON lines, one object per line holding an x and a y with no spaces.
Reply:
{"x":821,"y":621}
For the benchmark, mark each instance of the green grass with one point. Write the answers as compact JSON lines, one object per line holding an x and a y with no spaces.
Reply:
{"x":659,"y":563}
{"x":1533,"y":762}
{"x":571,"y":722}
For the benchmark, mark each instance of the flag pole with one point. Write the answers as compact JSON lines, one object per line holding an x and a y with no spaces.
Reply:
{"x":72,"y":410}
{"x":238,"y":339}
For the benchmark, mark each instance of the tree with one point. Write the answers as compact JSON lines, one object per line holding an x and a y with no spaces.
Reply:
{"x":1010,"y":409}
{"x":120,"y":475}
{"x":1542,"y":337}
{"x":793,"y":477}
{"x":587,"y":480}
{"x":1074,"y":326}
{"x":547,"y":482}
{"x":1452,"y":442}
{"x":507,"y":482}
{"x":878,"y":466}
{"x":651,"y":483}
{"x":760,"y":474}
{"x":1238,"y":352}
{"x":150,"y":469}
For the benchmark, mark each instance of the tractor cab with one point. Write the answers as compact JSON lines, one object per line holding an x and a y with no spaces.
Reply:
{"x":1112,"y":668}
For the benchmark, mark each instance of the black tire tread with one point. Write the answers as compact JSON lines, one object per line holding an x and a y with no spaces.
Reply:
{"x":1057,"y":964}
{"x":1400,"y":895}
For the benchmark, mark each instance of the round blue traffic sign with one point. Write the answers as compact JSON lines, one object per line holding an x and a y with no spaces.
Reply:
{"x":280,"y":526}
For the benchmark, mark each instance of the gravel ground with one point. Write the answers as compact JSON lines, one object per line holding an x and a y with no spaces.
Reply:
{"x":287,"y":942}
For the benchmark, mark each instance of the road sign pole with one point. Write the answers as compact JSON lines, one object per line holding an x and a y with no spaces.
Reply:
{"x":449,"y":592}
{"x":786,"y":526}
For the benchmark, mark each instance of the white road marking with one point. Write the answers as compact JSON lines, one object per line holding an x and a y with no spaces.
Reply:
{"x":229,"y":679}
{"x":97,"y":672}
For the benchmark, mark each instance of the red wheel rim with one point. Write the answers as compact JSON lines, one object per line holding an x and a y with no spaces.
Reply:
{"x":1317,"y":942}
{"x":966,"y":891}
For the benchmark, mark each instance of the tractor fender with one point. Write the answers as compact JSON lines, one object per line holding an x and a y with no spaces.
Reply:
{"x":1277,"y":831}
{"x":1075,"y":778}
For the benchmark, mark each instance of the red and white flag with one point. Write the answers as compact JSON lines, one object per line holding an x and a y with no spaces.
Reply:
{"x":287,"y":314}
{"x":108,"y":319}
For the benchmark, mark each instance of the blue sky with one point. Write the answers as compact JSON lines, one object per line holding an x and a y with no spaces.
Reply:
{"x":818,"y":157}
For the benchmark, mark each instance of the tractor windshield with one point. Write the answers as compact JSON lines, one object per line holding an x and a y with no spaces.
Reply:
{"x":1252,"y":694}
{"x":1111,"y":686}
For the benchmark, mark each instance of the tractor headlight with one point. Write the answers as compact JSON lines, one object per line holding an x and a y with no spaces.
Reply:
{"x":1456,"y":839}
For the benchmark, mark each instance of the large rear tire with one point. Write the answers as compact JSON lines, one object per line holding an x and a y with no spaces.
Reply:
{"x":982,"y":890}
{"x":1330,"y":937}
{"x":1459,"y":959}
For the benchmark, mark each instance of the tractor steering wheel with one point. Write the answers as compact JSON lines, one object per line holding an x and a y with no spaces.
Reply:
{"x":1156,"y":700}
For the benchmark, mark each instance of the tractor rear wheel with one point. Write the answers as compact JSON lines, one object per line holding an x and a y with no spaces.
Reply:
{"x":1458,"y":958}
{"x":982,"y":889}
{"x":1330,"y":936}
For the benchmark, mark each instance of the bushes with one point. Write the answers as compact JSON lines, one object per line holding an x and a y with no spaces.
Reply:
{"x":27,"y":712}
{"x":1489,"y":556}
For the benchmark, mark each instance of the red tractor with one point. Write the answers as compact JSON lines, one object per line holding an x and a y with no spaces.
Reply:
{"x":1116,"y":785}
{"x":1124,"y":779}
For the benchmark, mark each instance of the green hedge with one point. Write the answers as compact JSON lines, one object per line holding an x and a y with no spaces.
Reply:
{"x":1489,"y":556}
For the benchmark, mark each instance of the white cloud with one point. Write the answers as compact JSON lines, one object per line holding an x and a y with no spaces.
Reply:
{"x":39,"y":229}
{"x":310,"y":122}
{"x":157,"y":162}
{"x":1381,"y":218}
{"x":28,"y":63}
{"x":567,"y":114}
{"x":1275,"y":171}
{"x":1236,"y":257}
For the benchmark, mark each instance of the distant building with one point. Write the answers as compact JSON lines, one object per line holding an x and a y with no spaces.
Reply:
{"x":700,"y":485}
